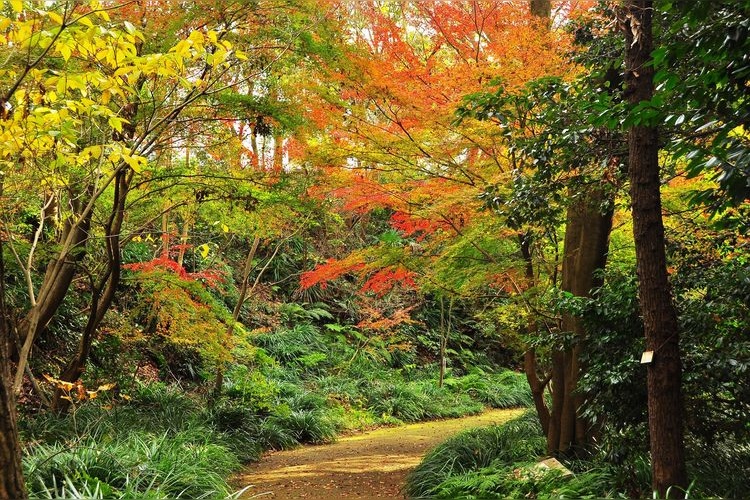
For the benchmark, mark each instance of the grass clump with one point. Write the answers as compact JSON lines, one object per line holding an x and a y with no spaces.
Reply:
{"x":181,"y":465}
{"x":474,"y":450}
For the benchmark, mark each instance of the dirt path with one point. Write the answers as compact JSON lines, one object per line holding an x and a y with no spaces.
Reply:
{"x":373,"y":464}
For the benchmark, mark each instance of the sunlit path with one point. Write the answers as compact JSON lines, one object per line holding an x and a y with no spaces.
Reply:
{"x":373,"y":464}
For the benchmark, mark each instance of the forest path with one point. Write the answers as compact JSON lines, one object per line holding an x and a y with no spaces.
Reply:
{"x":373,"y":464}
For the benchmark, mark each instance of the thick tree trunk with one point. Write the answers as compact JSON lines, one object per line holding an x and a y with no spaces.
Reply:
{"x":11,"y":478}
{"x":585,"y":254}
{"x":665,"y":406}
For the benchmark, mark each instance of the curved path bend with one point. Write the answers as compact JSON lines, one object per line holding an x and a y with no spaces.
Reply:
{"x":373,"y":464}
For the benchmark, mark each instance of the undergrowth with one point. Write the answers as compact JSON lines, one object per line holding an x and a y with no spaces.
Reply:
{"x":299,"y":385}
{"x":502,"y":461}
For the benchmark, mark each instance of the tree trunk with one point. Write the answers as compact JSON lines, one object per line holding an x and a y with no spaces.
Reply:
{"x":537,"y":386}
{"x":530,"y":365}
{"x":55,"y":285}
{"x":584,"y":255}
{"x":278,"y":153}
{"x":541,"y":8}
{"x":11,"y":478}
{"x":244,"y":291}
{"x":102,"y":293}
{"x":665,"y":406}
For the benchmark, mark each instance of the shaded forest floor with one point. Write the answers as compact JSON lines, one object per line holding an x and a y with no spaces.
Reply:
{"x":372,"y":464}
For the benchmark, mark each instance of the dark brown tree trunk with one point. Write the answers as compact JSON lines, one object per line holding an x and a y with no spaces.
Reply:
{"x":11,"y":478}
{"x":665,"y":406}
{"x":585,"y":253}
{"x":537,"y":386}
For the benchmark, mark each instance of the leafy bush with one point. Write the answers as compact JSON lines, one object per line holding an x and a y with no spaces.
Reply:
{"x":288,"y":346}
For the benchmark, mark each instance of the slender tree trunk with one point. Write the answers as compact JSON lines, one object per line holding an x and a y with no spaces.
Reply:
{"x":103,"y":292}
{"x":256,"y":161}
{"x":165,"y":236}
{"x":55,"y":285}
{"x":537,"y":386}
{"x":530,"y":365}
{"x":445,"y":328}
{"x":183,"y":241}
{"x":278,"y":153}
{"x":665,"y":405}
{"x":244,"y":289}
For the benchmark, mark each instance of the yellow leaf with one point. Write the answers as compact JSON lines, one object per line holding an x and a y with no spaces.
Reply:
{"x":55,"y":17}
{"x":225,"y":228}
{"x":125,"y":397}
{"x":115,"y":122}
{"x":196,"y":37}
{"x":135,"y":162}
{"x":102,"y":14}
{"x":86,"y":21}
{"x":105,"y":387}
{"x":65,"y":51}
{"x":94,"y":151}
{"x":204,"y":249}
{"x":17,"y":5}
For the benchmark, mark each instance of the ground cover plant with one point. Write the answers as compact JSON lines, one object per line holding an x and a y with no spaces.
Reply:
{"x":136,"y":446}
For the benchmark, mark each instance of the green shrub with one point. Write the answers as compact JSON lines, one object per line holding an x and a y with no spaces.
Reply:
{"x":398,"y":400}
{"x":517,"y":440}
{"x":506,"y":389}
{"x":254,"y":389}
{"x":288,"y":346}
{"x":180,"y":465}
